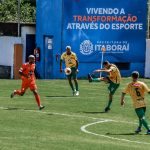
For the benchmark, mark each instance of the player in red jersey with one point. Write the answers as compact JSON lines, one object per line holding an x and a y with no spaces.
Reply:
{"x":28,"y":80}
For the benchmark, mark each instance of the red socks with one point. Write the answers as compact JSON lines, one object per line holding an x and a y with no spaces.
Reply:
{"x":37,"y":97}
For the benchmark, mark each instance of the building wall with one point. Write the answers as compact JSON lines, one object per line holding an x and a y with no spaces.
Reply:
{"x":53,"y":15}
{"x":26,"y":30}
{"x":7,"y":50}
{"x":147,"y":59}
{"x":48,"y":23}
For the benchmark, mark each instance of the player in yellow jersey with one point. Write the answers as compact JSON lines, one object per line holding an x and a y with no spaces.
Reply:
{"x":71,"y":61}
{"x":113,"y":79}
{"x":137,"y":90}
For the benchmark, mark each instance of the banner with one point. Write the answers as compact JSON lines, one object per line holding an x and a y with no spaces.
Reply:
{"x":116,"y":26}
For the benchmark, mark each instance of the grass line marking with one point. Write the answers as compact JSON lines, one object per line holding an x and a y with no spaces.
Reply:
{"x":83,"y":128}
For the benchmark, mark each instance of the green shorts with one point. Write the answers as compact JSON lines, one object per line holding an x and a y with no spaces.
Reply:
{"x":73,"y":73}
{"x":112,"y":87}
{"x":140,"y":112}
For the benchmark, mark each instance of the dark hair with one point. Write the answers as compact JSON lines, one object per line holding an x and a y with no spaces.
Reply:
{"x":135,"y":74}
{"x":106,"y":62}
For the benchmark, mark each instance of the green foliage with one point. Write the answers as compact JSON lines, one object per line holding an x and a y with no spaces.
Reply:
{"x":9,"y":11}
{"x":28,"y":12}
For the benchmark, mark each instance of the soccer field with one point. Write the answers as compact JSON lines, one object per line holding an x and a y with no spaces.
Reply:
{"x":67,"y":122}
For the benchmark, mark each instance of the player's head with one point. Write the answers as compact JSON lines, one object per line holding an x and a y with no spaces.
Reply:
{"x":135,"y":75}
{"x":68,"y":50}
{"x":106,"y":64}
{"x":31,"y":59}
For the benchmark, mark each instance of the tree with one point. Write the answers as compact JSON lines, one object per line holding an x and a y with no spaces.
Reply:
{"x":9,"y":11}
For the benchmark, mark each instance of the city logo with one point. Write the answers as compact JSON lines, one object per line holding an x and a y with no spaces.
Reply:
{"x":86,"y":47}
{"x":112,"y":46}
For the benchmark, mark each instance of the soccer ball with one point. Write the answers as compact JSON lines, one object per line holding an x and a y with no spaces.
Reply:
{"x":67,"y":71}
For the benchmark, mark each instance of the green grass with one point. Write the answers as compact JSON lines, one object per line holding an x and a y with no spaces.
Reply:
{"x":58,"y":126}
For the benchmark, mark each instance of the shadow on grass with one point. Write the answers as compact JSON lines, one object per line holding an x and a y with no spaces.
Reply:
{"x":15,"y":108}
{"x":98,"y":112}
{"x":122,"y":133}
{"x":58,"y":96}
{"x":11,"y":108}
{"x":50,"y":114}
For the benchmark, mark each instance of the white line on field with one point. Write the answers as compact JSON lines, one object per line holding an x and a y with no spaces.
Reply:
{"x":83,"y":128}
{"x":53,"y":113}
{"x":68,"y":115}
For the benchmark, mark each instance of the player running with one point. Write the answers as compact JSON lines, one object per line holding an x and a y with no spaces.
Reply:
{"x":28,"y":80}
{"x":113,"y":79}
{"x":71,"y":61}
{"x":137,"y":89}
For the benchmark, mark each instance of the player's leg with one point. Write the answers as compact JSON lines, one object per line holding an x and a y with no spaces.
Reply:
{"x":112,"y":89}
{"x":77,"y":87}
{"x":33,"y":88}
{"x":69,"y":77}
{"x":20,"y":92}
{"x":74,"y":76}
{"x":37,"y":97}
{"x":107,"y":108}
{"x":138,"y":130}
{"x":140,"y":122}
{"x":91,"y":79}
{"x":141,"y":115}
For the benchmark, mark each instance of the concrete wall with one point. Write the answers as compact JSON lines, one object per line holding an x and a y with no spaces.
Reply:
{"x":7,"y":50}
{"x":7,"y":46}
{"x":147,"y":59}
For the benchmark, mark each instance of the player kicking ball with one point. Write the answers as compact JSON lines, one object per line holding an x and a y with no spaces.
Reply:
{"x":113,"y":79}
{"x":28,"y":81}
{"x":137,"y":89}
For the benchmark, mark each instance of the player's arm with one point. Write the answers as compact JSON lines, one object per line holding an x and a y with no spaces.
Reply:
{"x":61,"y":60}
{"x":122,"y":100}
{"x":22,"y":74}
{"x":61,"y":65}
{"x":146,"y":89}
{"x":126,"y":90}
{"x":77,"y":63}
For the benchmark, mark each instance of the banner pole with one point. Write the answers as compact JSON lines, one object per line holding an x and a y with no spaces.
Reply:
{"x":102,"y":58}
{"x":101,"y":63}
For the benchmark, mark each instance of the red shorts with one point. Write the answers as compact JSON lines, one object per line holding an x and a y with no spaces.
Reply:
{"x":28,"y":84}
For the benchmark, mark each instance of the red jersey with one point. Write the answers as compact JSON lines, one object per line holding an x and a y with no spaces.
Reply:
{"x":28,"y":69}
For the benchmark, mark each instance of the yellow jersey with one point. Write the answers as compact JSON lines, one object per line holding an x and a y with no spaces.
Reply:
{"x":70,"y":60}
{"x":115,"y":75}
{"x":137,"y":91}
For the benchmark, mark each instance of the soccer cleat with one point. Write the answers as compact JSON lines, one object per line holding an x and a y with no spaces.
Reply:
{"x":77,"y":93}
{"x":107,"y":109}
{"x":90,"y":77}
{"x":138,"y":130}
{"x":74,"y":93}
{"x":148,"y":132}
{"x":12,"y":94}
{"x":41,"y":107}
